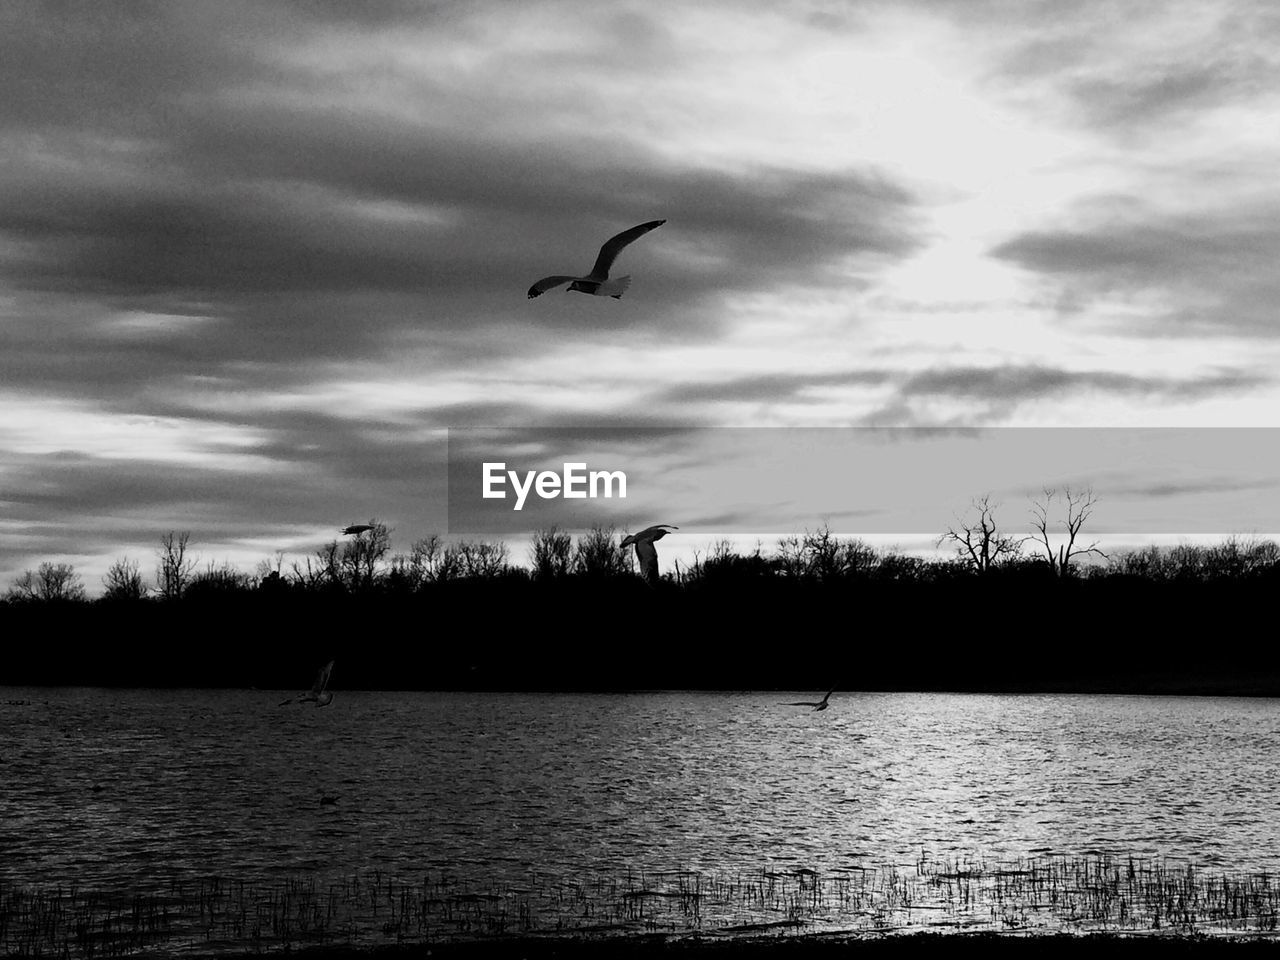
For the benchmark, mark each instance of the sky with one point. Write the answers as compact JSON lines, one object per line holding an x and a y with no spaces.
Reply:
{"x":257,"y":260}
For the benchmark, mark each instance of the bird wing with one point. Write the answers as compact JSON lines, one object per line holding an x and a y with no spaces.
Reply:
{"x":648,"y":556}
{"x":322,"y":678}
{"x":829,"y":693}
{"x":548,"y":283}
{"x":654,"y":532}
{"x":801,"y":703}
{"x":612,"y":247}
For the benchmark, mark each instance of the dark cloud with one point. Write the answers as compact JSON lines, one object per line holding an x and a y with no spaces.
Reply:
{"x":769,"y":388}
{"x":1020,"y":383}
{"x":1090,"y":62}
{"x":1198,"y":488}
{"x":1165,"y":91}
{"x":1004,"y":387}
{"x":182,"y":155}
{"x":993,"y":394}
{"x":1217,"y":267}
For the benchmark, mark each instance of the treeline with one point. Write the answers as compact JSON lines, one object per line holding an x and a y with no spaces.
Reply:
{"x":363,"y":565}
{"x":816,"y":610}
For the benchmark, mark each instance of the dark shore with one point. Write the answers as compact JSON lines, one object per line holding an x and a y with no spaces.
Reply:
{"x":997,"y":635}
{"x":811,"y":947}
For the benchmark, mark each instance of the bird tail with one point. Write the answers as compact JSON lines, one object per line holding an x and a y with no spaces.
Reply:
{"x":614,"y":288}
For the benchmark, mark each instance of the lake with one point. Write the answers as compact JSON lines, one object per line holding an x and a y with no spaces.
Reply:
{"x":516,"y":812}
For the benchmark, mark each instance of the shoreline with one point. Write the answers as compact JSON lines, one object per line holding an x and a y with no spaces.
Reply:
{"x":817,"y":946}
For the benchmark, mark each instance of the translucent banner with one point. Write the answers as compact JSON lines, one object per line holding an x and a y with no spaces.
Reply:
{"x":860,"y":480}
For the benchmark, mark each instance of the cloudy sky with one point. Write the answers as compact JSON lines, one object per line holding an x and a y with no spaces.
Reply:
{"x":257,"y":258}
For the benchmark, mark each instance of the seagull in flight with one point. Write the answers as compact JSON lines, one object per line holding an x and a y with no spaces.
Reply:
{"x":597,"y":282}
{"x":816,"y":704}
{"x":356,"y":529}
{"x":646,"y":553}
{"x":317,"y":693}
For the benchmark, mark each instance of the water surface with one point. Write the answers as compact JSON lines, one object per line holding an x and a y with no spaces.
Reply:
{"x":130,"y":790}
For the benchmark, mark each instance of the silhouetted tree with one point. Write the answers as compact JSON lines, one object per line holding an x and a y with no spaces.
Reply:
{"x":49,"y":582}
{"x":311,"y":575}
{"x":174,"y":568}
{"x":552,"y":553}
{"x":361,"y":554}
{"x":265,"y":568}
{"x":479,"y":558}
{"x":823,"y":556}
{"x":436,"y":561}
{"x":123,"y":581}
{"x":1243,"y":557}
{"x":597,"y":554}
{"x":724,"y":565}
{"x":1234,"y":558}
{"x":979,"y":542}
{"x":218,"y":580}
{"x":789,"y":557}
{"x":1079,"y":505}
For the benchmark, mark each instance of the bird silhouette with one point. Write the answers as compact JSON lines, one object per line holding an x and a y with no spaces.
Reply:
{"x":816,"y":704}
{"x":356,"y":529}
{"x":646,"y":552}
{"x":597,"y":282}
{"x":317,"y":694}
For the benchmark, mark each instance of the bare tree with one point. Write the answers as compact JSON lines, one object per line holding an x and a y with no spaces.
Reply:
{"x":266,"y":568}
{"x":429,"y":556}
{"x":123,"y":581}
{"x":789,"y":559}
{"x":597,"y":553}
{"x":311,"y":576}
{"x":49,"y":581}
{"x":551,"y":552}
{"x":269,"y":575}
{"x":361,"y":554}
{"x":1079,"y":506}
{"x":353,"y":563}
{"x":218,"y":579}
{"x":829,"y":557}
{"x":174,"y":569}
{"x":979,"y":541}
{"x":329,"y":568}
{"x":479,"y":558}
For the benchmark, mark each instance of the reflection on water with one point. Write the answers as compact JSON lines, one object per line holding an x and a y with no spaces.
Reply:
{"x":138,"y":791}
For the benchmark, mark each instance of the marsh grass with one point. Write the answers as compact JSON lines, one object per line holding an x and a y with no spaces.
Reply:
{"x":1090,"y":894}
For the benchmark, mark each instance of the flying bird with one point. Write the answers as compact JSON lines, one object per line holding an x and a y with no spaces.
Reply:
{"x":317,"y":693}
{"x":646,"y":553}
{"x":597,"y":282}
{"x":816,"y":704}
{"x":356,"y":529}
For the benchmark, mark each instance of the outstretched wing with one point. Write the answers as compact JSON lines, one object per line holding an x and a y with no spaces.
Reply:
{"x":322,"y":678}
{"x":548,"y":283}
{"x":802,"y":703}
{"x":647,"y":554}
{"x":656,"y":531}
{"x":613,"y":246}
